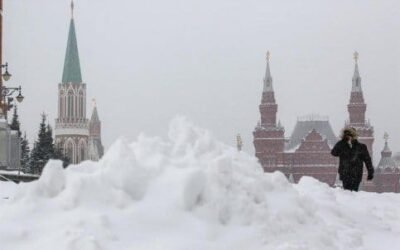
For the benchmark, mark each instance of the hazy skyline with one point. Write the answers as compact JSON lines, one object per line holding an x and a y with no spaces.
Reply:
{"x":146,"y":62}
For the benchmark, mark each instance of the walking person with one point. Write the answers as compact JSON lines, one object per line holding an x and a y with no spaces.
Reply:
{"x":352,"y":156}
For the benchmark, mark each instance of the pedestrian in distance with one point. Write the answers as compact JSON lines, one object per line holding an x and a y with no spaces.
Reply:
{"x":352,"y":156}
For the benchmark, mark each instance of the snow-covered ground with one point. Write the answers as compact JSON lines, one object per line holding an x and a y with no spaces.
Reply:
{"x":188,"y":192}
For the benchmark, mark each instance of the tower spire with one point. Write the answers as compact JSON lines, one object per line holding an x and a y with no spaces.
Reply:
{"x":356,"y":77}
{"x":72,"y":9}
{"x":268,"y":107}
{"x":268,"y":78}
{"x":386,"y":138}
{"x":72,"y":68}
{"x":95,"y":115}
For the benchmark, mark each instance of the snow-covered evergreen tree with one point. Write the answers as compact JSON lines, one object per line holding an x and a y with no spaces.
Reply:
{"x":15,"y":124}
{"x":52,"y":151}
{"x":39,"y":156}
{"x":25,"y":150}
{"x":48,"y":143}
{"x":44,"y":149}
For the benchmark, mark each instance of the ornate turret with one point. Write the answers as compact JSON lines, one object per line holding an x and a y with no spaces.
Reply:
{"x":387,"y":173}
{"x":94,"y":123}
{"x":268,"y":136}
{"x":386,"y":156}
{"x":96,"y":149}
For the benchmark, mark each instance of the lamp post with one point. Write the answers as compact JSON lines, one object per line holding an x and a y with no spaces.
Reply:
{"x":7,"y":94}
{"x":1,"y":51}
{"x":6,"y":75}
{"x":5,"y":105}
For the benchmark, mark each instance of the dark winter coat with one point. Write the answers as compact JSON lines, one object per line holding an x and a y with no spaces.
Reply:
{"x":351,"y":160}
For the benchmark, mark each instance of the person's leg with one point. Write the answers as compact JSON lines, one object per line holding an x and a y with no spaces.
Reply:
{"x":346,"y":184}
{"x":350,"y":184}
{"x":355,"y":186}
{"x":356,"y":180}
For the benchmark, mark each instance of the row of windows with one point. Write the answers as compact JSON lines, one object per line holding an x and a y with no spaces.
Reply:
{"x":71,"y":105}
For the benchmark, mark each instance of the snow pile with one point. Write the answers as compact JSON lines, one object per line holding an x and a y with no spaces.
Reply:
{"x":189,"y":192}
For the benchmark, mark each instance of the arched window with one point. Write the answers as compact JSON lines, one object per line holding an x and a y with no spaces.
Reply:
{"x":69,"y":150}
{"x":60,"y":104}
{"x":81,"y":111}
{"x":70,"y":104}
{"x":65,"y":108}
{"x":82,"y":151}
{"x":75,"y":106}
{"x":83,"y":154}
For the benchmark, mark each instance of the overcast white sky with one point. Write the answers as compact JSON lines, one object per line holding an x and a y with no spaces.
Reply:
{"x":147,"y":61}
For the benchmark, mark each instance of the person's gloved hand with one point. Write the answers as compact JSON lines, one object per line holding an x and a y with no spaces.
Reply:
{"x":370,"y":177}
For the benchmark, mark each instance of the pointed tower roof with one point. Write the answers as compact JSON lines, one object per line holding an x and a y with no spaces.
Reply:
{"x":95,"y":115}
{"x":268,"y":78}
{"x":72,"y":68}
{"x":356,"y":76}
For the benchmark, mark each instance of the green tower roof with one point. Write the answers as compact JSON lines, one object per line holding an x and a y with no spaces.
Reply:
{"x":72,"y":68}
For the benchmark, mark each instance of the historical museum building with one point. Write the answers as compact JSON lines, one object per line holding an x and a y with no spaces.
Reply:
{"x":77,"y":136}
{"x":307,"y":151}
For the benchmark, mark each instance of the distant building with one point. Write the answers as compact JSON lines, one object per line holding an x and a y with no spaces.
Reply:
{"x":307,"y":151}
{"x":79,"y":138}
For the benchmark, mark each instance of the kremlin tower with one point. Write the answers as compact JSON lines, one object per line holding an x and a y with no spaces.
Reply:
{"x":74,"y":133}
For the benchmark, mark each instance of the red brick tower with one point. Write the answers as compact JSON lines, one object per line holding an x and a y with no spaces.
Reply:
{"x":269,"y":140}
{"x":357,"y":108}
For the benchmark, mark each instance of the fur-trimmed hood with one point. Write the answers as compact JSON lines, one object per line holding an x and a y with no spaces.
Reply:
{"x":349,"y":131}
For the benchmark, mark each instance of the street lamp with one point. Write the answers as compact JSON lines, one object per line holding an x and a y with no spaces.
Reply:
{"x":8,"y":92}
{"x":6,"y":104}
{"x":6,"y":75}
{"x":20,"y":97}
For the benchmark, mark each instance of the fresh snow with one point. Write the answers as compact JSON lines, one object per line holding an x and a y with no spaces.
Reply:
{"x":188,"y":192}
